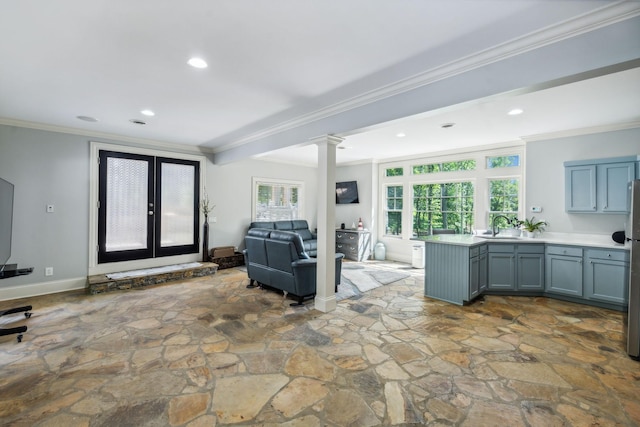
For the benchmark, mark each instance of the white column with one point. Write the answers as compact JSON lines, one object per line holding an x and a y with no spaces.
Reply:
{"x":325,"y":300}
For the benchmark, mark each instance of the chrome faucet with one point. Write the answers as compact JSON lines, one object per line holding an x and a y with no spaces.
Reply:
{"x":493,"y":224}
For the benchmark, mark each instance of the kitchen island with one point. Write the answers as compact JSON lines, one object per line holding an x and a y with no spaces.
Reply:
{"x":588,"y":269}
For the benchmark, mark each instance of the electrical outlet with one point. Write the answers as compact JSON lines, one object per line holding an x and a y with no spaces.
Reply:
{"x":48,"y":271}
{"x":51,"y":208}
{"x":536,"y":209}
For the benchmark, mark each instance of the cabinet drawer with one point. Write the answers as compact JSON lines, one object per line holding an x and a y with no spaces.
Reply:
{"x":474,"y":251}
{"x":502,"y":248}
{"x":531,"y":248}
{"x":608,"y":254}
{"x":564,"y":250}
{"x":347,"y":249}
{"x":343,"y":237}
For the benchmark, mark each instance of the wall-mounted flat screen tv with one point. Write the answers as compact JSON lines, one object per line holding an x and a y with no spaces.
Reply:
{"x":346,"y":192}
{"x":6,"y":221}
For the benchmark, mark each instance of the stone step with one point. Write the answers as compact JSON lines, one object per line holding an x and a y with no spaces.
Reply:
{"x":100,"y":283}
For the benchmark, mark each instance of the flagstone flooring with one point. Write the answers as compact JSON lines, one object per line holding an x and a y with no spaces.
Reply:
{"x":209,"y":352}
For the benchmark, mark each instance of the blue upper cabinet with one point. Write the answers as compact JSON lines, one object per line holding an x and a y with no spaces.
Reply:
{"x":580,"y":188}
{"x":600,"y":186}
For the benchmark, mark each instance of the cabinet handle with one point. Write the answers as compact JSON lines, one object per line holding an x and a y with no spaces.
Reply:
{"x":608,"y":255}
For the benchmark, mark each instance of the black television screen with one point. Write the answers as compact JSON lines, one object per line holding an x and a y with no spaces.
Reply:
{"x":347,"y":192}
{"x":6,"y":221}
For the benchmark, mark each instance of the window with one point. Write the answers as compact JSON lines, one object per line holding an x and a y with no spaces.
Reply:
{"x":503,"y":161}
{"x":461,"y":165}
{"x":442,"y":206}
{"x":450,"y":192}
{"x":393,"y":211}
{"x":503,"y":200}
{"x":275,"y":200}
{"x":395,"y":171}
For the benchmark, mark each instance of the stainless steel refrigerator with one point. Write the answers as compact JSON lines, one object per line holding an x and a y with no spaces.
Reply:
{"x":633,"y":236}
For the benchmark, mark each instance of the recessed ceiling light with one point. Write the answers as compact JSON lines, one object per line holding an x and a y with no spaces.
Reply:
{"x":515,"y":112}
{"x":401,"y":135}
{"x":448,"y":125}
{"x":87,"y":118}
{"x":138,"y":122}
{"x":148,"y":113}
{"x":197,"y":63}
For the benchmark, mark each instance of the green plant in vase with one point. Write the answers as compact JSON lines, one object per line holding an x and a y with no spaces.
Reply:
{"x":532,"y":227}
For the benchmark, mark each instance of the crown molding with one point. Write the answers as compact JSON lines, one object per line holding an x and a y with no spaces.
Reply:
{"x":582,"y":131}
{"x":598,"y":18}
{"x":107,"y":136}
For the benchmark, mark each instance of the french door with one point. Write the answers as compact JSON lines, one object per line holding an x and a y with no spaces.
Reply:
{"x":147,"y":206}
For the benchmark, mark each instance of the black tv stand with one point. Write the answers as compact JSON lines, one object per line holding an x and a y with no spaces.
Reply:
{"x":12,"y":270}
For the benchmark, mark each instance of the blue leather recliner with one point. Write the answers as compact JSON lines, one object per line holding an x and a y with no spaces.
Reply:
{"x":300,"y":226}
{"x":277,"y":259}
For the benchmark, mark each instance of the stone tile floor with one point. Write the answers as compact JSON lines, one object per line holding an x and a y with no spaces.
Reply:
{"x":208,"y":351}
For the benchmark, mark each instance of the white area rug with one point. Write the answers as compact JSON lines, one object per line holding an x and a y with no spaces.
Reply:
{"x":357,"y":279}
{"x":149,"y":271}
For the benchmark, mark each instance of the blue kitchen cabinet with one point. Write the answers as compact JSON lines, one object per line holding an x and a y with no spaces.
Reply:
{"x":580,"y":188}
{"x":599,"y":186}
{"x":530,"y":267}
{"x":477,"y":271}
{"x":454,"y":273}
{"x":607,"y":276}
{"x":564,"y":270}
{"x":518,"y":268}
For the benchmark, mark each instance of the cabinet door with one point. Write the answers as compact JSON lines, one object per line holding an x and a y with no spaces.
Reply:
{"x":614,"y":195}
{"x":607,"y":280}
{"x":501,"y":271}
{"x":530,"y":272}
{"x":474,"y":277}
{"x":482,"y":273}
{"x":564,"y":275}
{"x":580,"y":188}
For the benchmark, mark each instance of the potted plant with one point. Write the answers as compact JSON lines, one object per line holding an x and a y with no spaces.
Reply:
{"x":516,"y":227}
{"x":532,"y":227}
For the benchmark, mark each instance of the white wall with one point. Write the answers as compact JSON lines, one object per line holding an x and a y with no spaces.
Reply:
{"x":545,"y":178}
{"x":53,"y":168}
{"x":229,"y":187}
{"x":366,"y":174}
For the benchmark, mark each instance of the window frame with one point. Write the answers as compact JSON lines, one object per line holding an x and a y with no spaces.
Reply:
{"x":480,"y":178}
{"x":255,"y":181}
{"x":386,"y":209}
{"x":459,"y":197}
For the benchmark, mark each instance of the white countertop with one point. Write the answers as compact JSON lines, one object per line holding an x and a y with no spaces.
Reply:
{"x":577,"y":239}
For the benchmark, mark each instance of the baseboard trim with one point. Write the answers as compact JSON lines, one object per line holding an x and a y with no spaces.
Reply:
{"x":36,"y":289}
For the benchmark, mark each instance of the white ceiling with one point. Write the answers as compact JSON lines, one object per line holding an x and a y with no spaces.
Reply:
{"x":273,"y":62}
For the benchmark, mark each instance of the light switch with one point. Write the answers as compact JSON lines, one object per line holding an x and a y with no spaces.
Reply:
{"x":50,"y":209}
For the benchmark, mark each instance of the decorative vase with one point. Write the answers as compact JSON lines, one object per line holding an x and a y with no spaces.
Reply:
{"x":205,"y":239}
